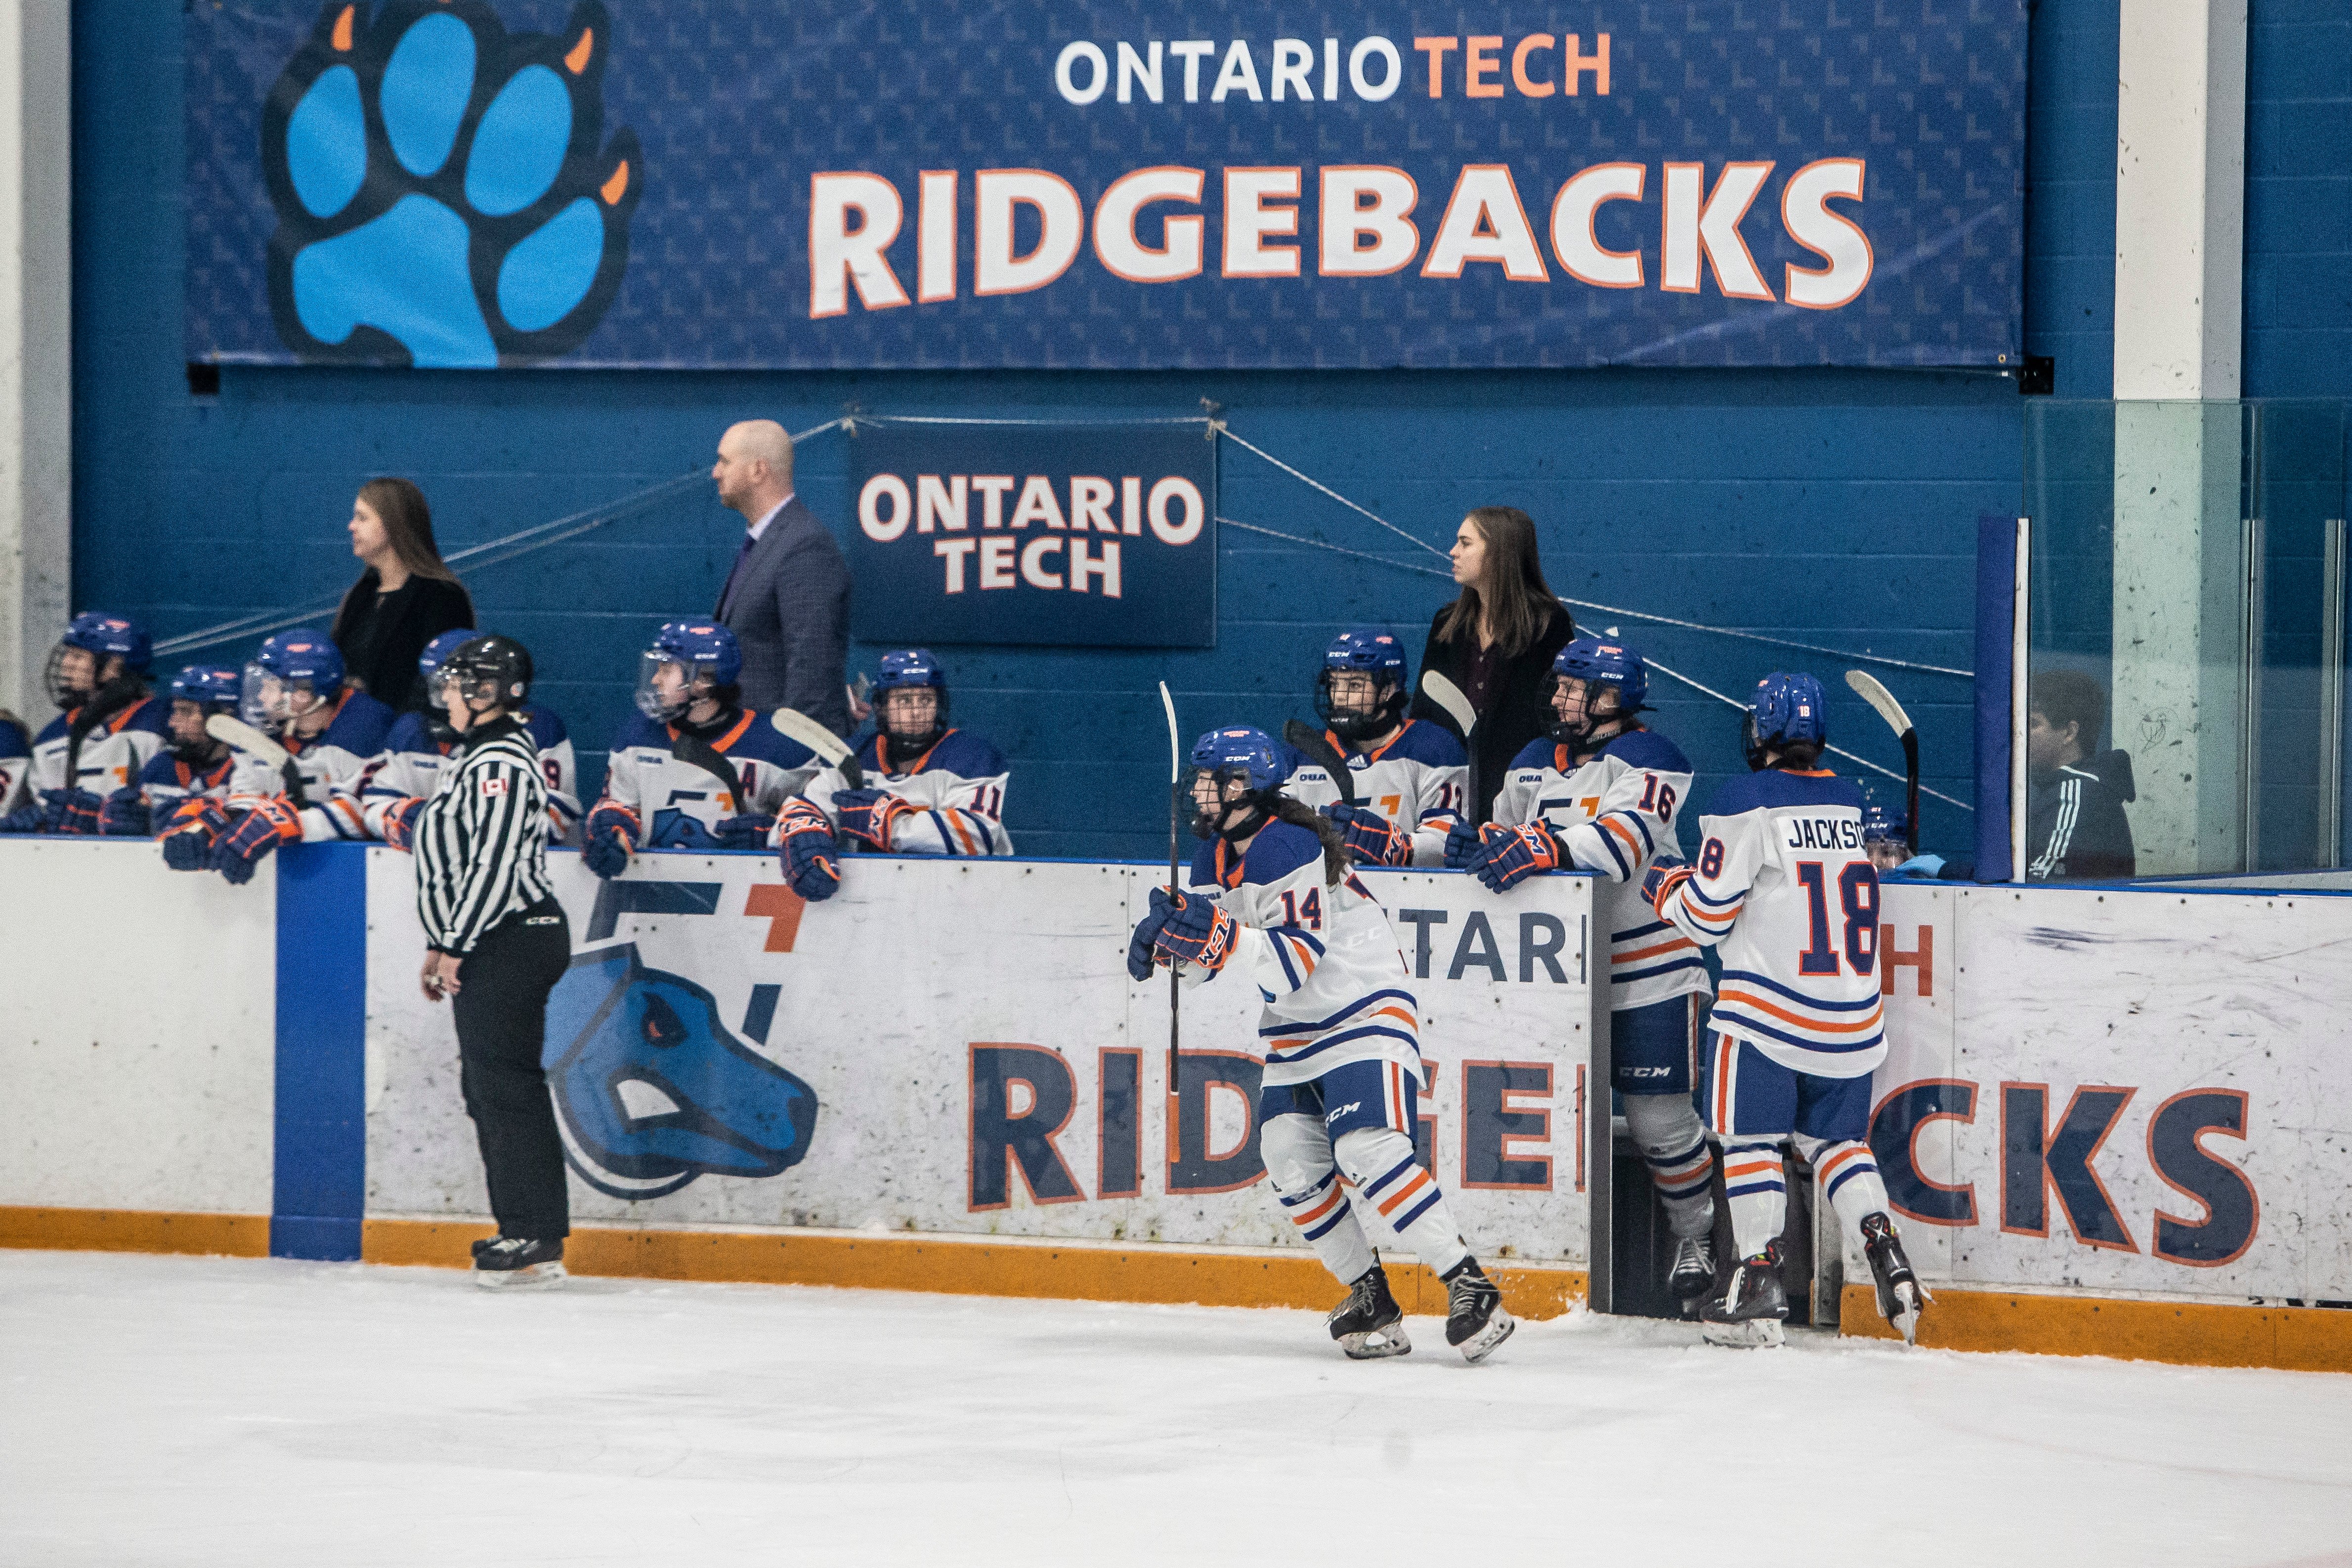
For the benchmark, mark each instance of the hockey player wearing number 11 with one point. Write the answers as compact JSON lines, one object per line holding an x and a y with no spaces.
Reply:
{"x":1271,"y":885}
{"x":1785,"y":890}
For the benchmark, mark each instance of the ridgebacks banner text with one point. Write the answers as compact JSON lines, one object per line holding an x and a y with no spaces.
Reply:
{"x":1083,"y":183}
{"x":1086,"y":535}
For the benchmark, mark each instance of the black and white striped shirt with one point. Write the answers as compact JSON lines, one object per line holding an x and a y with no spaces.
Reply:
{"x":481,"y":839}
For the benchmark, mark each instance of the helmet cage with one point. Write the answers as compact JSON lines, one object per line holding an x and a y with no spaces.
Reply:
{"x":1353,"y":722}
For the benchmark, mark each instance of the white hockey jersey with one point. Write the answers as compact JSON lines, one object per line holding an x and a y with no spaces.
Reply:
{"x":112,"y":754}
{"x":332,"y":764}
{"x":410,"y":764}
{"x":959,"y":785}
{"x":166,"y":781}
{"x":1325,"y":958}
{"x":1782,"y":884}
{"x":1615,"y":812}
{"x":676,"y":804}
{"x":1415,"y":781}
{"x":15,"y":767}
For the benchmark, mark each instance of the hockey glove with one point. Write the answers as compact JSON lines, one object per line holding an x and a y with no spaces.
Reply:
{"x":78,"y":810}
{"x":399,"y":822}
{"x":1461,"y":843}
{"x":812,"y":857}
{"x":611,"y":838}
{"x":1508,"y":857}
{"x":272,"y":821}
{"x":1662,"y":881}
{"x":867,"y":814}
{"x":1197,"y":932}
{"x":1146,"y":934}
{"x":188,"y":832}
{"x":126,"y":815}
{"x":1370,"y":839}
{"x":749,"y":831}
{"x":25,"y":820}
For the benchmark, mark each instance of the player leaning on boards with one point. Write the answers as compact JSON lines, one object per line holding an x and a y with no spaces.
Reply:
{"x":1407,"y":773}
{"x":1785,"y":889}
{"x":420,"y":743}
{"x":194,"y":765}
{"x":1599,"y":794}
{"x":1271,"y":884}
{"x":696,"y":769}
{"x":496,"y":944}
{"x":108,"y":726}
{"x":922,"y":788}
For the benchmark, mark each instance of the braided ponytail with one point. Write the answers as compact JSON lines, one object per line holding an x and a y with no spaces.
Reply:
{"x":1298,"y":814}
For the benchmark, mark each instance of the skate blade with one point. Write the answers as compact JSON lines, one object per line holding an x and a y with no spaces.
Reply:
{"x":1755,"y":1333}
{"x":1481,"y":1345}
{"x":1377,"y":1344}
{"x":538,"y":1277}
{"x":1909,"y":1301}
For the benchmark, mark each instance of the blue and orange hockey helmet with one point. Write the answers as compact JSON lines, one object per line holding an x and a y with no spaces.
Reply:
{"x":288,"y":675}
{"x":440,"y":648}
{"x":216,"y":688}
{"x":1236,"y":754}
{"x":1787,"y":710}
{"x":1883,"y":825}
{"x":910,"y":669}
{"x":704,"y":650}
{"x":103,"y":635}
{"x":1597,"y":662}
{"x":1364,"y":651}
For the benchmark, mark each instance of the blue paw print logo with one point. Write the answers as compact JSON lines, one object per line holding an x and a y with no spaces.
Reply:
{"x":445,"y":195}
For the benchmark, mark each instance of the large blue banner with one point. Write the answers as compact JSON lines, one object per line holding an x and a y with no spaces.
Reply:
{"x":1089,"y":535}
{"x":1105,"y":183}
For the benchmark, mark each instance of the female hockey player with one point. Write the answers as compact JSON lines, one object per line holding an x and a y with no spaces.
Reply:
{"x":1784,"y":888}
{"x":1406,"y":772}
{"x":1271,"y":885}
{"x":1600,"y":795}
{"x":295,"y":689}
{"x":696,"y":769}
{"x":420,"y":744}
{"x":192,"y":767}
{"x":108,"y":726}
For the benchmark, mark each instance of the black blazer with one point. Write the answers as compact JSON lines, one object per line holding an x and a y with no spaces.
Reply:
{"x":789,"y":609}
{"x":1514,"y":712}
{"x":380,"y":639}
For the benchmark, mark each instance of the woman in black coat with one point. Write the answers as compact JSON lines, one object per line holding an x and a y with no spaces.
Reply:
{"x":405,"y":597}
{"x":1497,"y":642}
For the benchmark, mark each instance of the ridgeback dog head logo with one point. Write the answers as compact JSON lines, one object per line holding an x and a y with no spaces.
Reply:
{"x":651,"y":1090}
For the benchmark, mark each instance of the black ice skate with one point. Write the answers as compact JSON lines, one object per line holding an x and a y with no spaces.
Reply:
{"x":512,"y":1263}
{"x":1901,"y":1297}
{"x":1747,"y":1314}
{"x":1476,"y":1322}
{"x":1693,"y":1275}
{"x":1370,"y":1325}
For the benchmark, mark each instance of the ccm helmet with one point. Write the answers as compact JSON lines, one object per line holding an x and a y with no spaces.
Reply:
{"x":1370,"y":709}
{"x":707,"y":655}
{"x":910,"y":669}
{"x":1787,"y":710}
{"x":1598,"y":664}
{"x":206,"y":689}
{"x":103,"y":636}
{"x":291,"y":674}
{"x":1241,"y":754}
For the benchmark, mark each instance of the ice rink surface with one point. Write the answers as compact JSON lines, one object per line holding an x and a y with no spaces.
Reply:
{"x":170,"y":1411}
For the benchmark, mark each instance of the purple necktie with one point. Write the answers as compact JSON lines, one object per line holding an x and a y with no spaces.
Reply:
{"x":727,"y":594}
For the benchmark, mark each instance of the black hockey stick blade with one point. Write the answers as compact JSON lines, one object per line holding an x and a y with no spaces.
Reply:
{"x":696,"y":752}
{"x":1323,"y":754}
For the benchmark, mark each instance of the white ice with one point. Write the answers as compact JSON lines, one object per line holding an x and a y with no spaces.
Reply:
{"x":165,"y":1410}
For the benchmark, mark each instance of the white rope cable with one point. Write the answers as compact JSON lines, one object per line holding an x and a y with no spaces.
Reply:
{"x":945,"y":419}
{"x":1220,"y":429}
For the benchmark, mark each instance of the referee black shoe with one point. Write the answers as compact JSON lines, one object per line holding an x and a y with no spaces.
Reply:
{"x":517,"y":1264}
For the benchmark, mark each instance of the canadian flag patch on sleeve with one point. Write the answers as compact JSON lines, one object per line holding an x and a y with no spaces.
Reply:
{"x":494,"y":786}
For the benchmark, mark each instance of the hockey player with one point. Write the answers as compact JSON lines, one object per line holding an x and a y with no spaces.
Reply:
{"x":107,"y":726}
{"x":1407,"y":773}
{"x":15,"y":761}
{"x":1600,"y":795}
{"x":192,"y":766}
{"x":420,"y":742}
{"x":1271,"y":885}
{"x":1886,"y":837}
{"x":1784,"y":889}
{"x":295,"y":690}
{"x":656,"y":796}
{"x":930,"y":790}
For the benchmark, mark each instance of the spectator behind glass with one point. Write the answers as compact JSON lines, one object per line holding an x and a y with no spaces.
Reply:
{"x":1497,"y":642}
{"x":404,"y":599}
{"x":2074,"y":823}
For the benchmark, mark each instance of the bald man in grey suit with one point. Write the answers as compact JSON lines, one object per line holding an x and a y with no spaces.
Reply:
{"x":787,"y":596}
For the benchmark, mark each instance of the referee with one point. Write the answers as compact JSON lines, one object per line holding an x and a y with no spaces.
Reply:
{"x":496,"y":943}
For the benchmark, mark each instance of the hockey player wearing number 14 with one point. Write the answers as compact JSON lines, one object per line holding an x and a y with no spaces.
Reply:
{"x":1599,"y":794}
{"x":1785,"y":890}
{"x":1272,"y":886}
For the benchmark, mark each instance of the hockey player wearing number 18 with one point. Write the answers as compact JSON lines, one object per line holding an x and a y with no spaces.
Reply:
{"x":1785,"y":890}
{"x":1271,"y":886}
{"x":1599,"y":794}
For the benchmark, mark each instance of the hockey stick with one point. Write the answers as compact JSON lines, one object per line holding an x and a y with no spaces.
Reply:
{"x":1320,"y":752}
{"x":1870,"y":690}
{"x":252,"y":742}
{"x":696,"y":752}
{"x":1175,"y":992}
{"x":1438,"y":689}
{"x":795,"y":725}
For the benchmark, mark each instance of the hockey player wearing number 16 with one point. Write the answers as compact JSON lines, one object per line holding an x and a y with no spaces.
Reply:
{"x":1599,"y":794}
{"x":1785,"y":890}
{"x":1271,"y":886}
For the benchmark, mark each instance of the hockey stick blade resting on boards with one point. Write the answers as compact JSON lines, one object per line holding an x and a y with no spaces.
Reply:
{"x":253,"y":743}
{"x":1304,"y":737}
{"x":1872,"y":691}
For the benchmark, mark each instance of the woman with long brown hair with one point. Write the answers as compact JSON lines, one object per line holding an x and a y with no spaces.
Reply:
{"x":405,"y":597}
{"x":1496,"y":642}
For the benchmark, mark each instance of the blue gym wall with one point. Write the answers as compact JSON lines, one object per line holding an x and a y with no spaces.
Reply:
{"x":1834,"y":507}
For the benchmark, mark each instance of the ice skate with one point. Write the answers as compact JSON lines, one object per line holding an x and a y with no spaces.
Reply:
{"x":1370,"y":1325}
{"x":1693,"y":1274}
{"x":1747,"y":1314}
{"x":1476,"y":1322}
{"x":1901,"y":1297}
{"x":513,"y":1263}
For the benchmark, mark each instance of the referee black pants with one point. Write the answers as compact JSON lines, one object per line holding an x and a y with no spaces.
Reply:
{"x":501,"y":1010}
